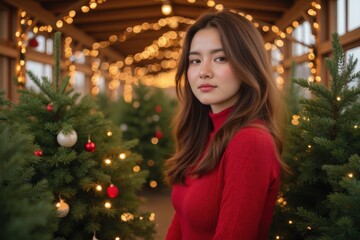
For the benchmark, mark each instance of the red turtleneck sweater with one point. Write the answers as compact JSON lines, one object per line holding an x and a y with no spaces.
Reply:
{"x":235,"y":200}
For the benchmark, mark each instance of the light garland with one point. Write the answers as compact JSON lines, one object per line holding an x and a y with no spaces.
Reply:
{"x":169,"y":57}
{"x":22,"y":37}
{"x":69,"y":17}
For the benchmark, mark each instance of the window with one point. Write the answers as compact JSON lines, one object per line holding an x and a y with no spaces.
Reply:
{"x":356,"y":55}
{"x":302,"y":34}
{"x":40,"y":70}
{"x":79,"y":84}
{"x":49,"y":46}
{"x":353,"y":14}
{"x":275,"y":56}
{"x":348,"y":17}
{"x":341,"y":25}
{"x":302,"y":71}
{"x":78,"y":57}
{"x":102,"y":84}
{"x":45,"y":44}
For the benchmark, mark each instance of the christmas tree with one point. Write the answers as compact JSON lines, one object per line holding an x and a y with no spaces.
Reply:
{"x":321,"y":197}
{"x":147,"y":118}
{"x":26,"y":210}
{"x":88,"y":167}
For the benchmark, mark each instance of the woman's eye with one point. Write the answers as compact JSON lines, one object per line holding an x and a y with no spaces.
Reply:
{"x":220,"y":59}
{"x":194,"y":61}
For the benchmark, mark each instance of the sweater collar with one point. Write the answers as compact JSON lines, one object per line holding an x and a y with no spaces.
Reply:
{"x":219,"y":118}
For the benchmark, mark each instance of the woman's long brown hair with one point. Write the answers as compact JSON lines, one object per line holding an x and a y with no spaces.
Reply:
{"x":259,"y":97}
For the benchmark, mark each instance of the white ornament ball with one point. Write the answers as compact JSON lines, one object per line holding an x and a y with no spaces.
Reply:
{"x":67,"y":140}
{"x":124,"y":127}
{"x":62,"y":209}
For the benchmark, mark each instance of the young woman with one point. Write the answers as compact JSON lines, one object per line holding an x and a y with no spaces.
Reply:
{"x":226,"y":169}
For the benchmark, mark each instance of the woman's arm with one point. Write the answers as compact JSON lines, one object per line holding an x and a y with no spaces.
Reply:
{"x":251,"y":171}
{"x":174,"y":232}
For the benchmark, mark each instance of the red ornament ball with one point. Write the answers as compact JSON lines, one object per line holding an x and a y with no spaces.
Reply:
{"x":112,"y":191}
{"x":159,"y":134}
{"x":33,"y":43}
{"x":38,"y":153}
{"x":158,"y":109}
{"x":49,"y":107}
{"x":90,"y":146}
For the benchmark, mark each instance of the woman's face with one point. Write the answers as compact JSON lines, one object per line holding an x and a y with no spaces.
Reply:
{"x":210,"y":75}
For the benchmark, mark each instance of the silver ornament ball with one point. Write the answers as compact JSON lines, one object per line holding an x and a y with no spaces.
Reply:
{"x":68,"y":139}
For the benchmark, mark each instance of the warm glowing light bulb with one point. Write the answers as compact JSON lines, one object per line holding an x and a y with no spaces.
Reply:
{"x":210,"y":3}
{"x":122,"y":155}
{"x":98,"y":188}
{"x":93,"y":5}
{"x":107,"y":204}
{"x":219,"y":7}
{"x":152,"y":217}
{"x":154,"y":140}
{"x":136,"y":168}
{"x":265,"y":28}
{"x":85,"y":9}
{"x":166,"y":8}
{"x":59,"y":24}
{"x":107,"y":161}
{"x":153,"y":184}
{"x":295,"y":24}
{"x":72,"y":13}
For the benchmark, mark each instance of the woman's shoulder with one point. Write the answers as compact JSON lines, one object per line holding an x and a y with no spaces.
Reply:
{"x":255,"y":134}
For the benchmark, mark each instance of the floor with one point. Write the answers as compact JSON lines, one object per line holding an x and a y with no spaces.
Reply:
{"x":158,"y":202}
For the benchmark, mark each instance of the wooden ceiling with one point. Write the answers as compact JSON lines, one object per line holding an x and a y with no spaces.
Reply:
{"x":113,"y":17}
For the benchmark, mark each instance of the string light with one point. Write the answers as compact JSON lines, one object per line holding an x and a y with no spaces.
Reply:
{"x":107,"y":204}
{"x":166,"y":7}
{"x":107,"y":161}
{"x":152,"y":217}
{"x":162,"y":79}
{"x":136,"y":168}
{"x":98,"y":188}
{"x":126,"y":217}
{"x":154,"y":140}
{"x":153,"y":184}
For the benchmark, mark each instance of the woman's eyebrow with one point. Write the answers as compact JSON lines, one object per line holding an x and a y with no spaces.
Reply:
{"x":212,"y":51}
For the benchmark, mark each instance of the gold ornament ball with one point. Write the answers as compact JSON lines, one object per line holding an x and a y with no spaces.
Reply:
{"x":62,"y":209}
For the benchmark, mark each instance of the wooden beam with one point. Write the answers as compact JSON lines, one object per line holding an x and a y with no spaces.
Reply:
{"x":7,"y":50}
{"x":118,"y":26}
{"x":325,"y":48}
{"x":74,"y":6}
{"x":108,"y":5}
{"x":119,"y":15}
{"x":48,"y":18}
{"x":265,"y":5}
{"x":294,"y":13}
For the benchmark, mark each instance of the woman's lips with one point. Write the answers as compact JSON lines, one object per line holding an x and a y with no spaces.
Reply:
{"x":206,"y":87}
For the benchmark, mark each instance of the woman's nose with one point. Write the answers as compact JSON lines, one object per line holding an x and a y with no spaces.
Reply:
{"x":206,"y":71}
